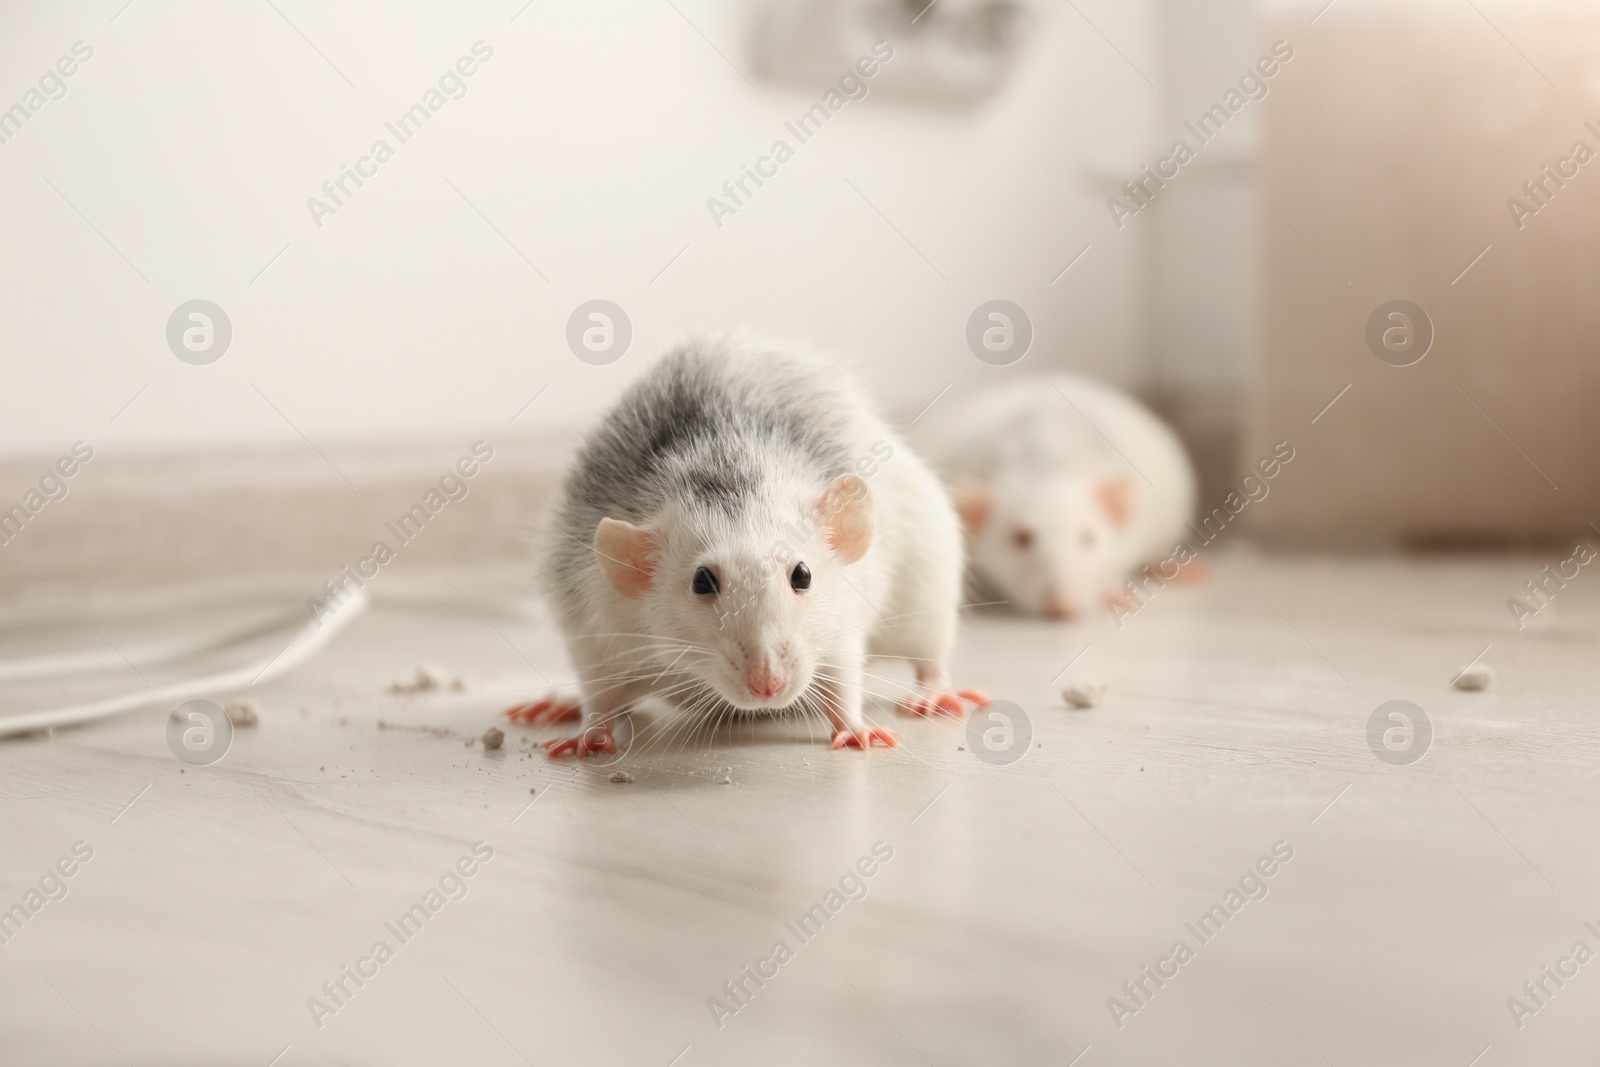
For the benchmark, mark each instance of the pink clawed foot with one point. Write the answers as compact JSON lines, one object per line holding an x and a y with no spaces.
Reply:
{"x":594,"y":739}
{"x":944,"y":703}
{"x":845,"y":737}
{"x":550,"y":709}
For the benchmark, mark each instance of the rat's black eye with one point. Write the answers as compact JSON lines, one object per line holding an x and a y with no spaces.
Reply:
{"x":705,"y":583}
{"x":800,"y":577}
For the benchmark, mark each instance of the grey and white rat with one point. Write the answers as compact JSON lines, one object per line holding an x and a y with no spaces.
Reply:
{"x":738,"y":535}
{"x":1065,"y":487}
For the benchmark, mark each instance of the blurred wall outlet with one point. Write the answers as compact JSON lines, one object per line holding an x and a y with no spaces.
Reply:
{"x":948,"y":52}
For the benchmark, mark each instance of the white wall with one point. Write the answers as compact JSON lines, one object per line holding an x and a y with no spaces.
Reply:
{"x":1206,"y":245}
{"x":193,"y":137}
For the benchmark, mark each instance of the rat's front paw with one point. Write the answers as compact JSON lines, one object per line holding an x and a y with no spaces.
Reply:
{"x":594,"y":739}
{"x":943,"y":703}
{"x":862,"y":737}
{"x":548,"y":709}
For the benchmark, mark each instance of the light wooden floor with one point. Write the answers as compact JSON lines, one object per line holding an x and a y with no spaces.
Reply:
{"x":1017,"y":901}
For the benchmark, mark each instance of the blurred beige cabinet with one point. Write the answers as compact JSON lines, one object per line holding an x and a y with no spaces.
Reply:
{"x":1397,"y":149}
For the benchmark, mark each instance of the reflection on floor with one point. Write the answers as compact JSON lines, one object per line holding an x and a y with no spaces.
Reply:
{"x":359,"y":881}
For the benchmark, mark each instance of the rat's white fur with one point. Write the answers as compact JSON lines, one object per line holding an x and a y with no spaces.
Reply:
{"x":721,"y":456}
{"x":1039,"y":455}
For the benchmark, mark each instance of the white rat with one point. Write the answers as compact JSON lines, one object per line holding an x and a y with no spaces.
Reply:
{"x":738,"y":535}
{"x":1065,"y":487}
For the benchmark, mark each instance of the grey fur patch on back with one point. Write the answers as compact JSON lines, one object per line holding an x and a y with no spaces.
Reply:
{"x":707,"y":426}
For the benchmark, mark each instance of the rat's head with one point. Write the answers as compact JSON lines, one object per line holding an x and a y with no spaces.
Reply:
{"x":1050,"y":544}
{"x":756,"y":597}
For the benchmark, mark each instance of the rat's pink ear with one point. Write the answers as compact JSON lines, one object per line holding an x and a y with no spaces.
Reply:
{"x":1116,"y":496}
{"x":846,"y":513}
{"x":624,"y":552}
{"x":973,"y":503}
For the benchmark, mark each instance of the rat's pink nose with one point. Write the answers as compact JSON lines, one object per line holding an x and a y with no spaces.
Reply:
{"x":765,"y":681}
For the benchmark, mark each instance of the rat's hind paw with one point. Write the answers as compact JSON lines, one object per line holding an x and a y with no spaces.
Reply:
{"x":594,"y":739}
{"x":844,"y":737}
{"x":548,"y":709}
{"x":934,"y":703}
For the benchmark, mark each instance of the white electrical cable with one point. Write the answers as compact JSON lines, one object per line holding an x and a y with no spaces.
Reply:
{"x":242,"y":595}
{"x":305,"y":643}
{"x":138,"y":656}
{"x":157,"y":603}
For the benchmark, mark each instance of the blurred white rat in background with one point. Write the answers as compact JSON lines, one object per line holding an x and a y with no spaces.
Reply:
{"x":1065,"y":487}
{"x":737,"y":536}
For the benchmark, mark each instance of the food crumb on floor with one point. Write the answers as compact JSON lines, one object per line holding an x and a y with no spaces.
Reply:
{"x":727,"y":780}
{"x":436,"y":731}
{"x":1477,"y":677}
{"x":621,"y":776}
{"x":243,"y":712}
{"x":1083,"y":695}
{"x":427,"y":679}
{"x":493,"y":738}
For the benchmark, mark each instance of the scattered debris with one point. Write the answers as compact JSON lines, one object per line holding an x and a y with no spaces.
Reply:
{"x":961,"y":748}
{"x":1083,"y":695}
{"x":243,"y":712}
{"x":1475,"y":678}
{"x":436,"y":731}
{"x":621,"y":776}
{"x":493,"y":737}
{"x":426,"y":680}
{"x":727,"y":780}
{"x":532,"y":792}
